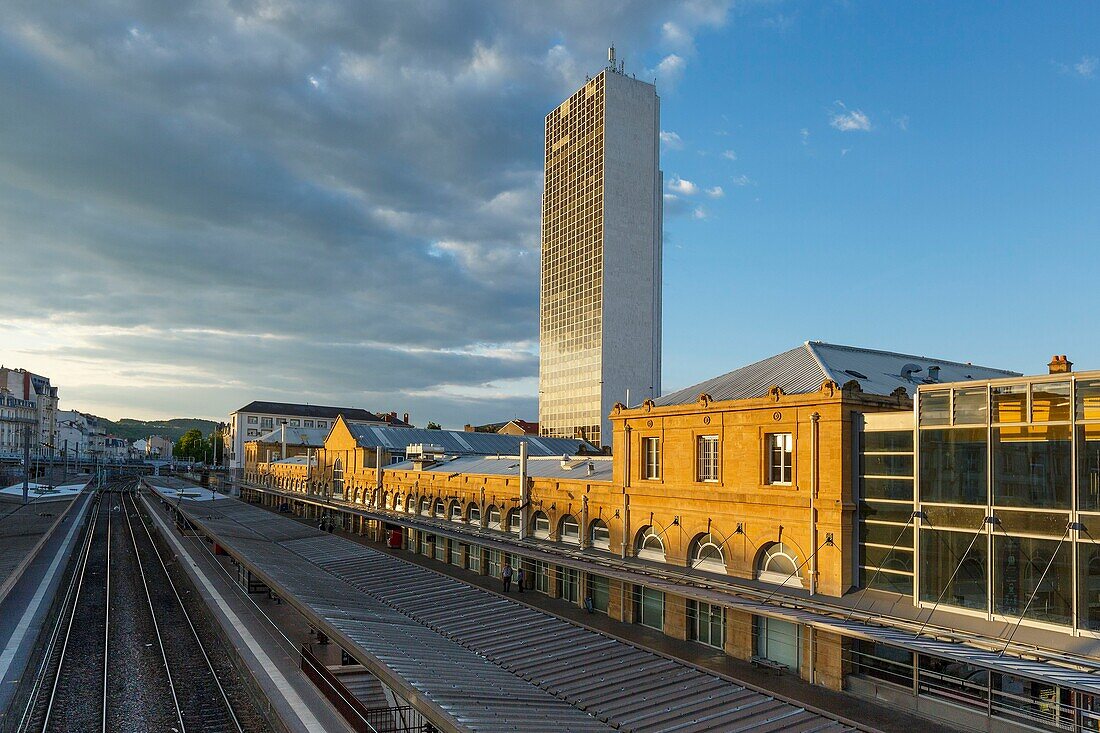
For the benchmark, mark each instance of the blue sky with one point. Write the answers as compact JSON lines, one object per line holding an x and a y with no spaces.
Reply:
{"x":964,"y":223}
{"x":337,"y":202}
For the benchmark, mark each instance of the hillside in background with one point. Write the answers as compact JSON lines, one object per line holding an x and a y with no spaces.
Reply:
{"x":136,"y":429}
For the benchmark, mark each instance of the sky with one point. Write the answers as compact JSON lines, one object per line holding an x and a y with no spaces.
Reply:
{"x":337,"y":202}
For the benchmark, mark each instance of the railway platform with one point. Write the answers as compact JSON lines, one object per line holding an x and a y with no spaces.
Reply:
{"x":38,"y":539}
{"x":473,"y":660}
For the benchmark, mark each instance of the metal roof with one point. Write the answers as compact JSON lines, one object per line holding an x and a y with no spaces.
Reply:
{"x":462,"y":443}
{"x":306,"y":437}
{"x":542,"y":467}
{"x":802,"y":370}
{"x":492,"y":663}
{"x":298,"y":410}
{"x":736,"y":594}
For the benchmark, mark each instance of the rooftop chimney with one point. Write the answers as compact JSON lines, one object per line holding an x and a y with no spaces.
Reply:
{"x":1059,"y":364}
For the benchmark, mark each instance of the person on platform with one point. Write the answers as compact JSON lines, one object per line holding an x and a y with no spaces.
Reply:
{"x":506,"y":575}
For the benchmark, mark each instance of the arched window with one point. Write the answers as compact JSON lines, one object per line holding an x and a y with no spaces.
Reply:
{"x":540,"y":525}
{"x":473,"y":513}
{"x":598,"y":535}
{"x":569,"y":530}
{"x":398,"y":505}
{"x":779,"y":564}
{"x":514,"y":521}
{"x":706,"y":554}
{"x":338,"y":478}
{"x":440,"y":509}
{"x":410,"y":503}
{"x":494,"y":516}
{"x":456,"y":512}
{"x":649,"y":545}
{"x":425,"y":506}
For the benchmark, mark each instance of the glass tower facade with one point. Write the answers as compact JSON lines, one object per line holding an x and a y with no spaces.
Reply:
{"x":600,"y":256}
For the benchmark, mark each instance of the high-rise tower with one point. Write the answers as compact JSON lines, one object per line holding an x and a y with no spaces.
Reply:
{"x":600,"y":306}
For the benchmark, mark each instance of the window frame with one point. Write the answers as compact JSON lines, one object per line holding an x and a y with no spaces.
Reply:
{"x":702,"y":475}
{"x":651,"y":458}
{"x":786,"y":468}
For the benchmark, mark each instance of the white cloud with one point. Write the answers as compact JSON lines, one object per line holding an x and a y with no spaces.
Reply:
{"x":699,"y":213}
{"x":675,"y":37}
{"x":1086,"y":67}
{"x":716,"y":192}
{"x":671,"y":140}
{"x":902,"y":122}
{"x":682,"y":186}
{"x":743,"y":180}
{"x":729,"y":155}
{"x":847,"y":120}
{"x":670,"y":70}
{"x":804,"y":134}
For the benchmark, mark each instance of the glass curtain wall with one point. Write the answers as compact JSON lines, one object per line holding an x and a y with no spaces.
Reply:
{"x":886,"y":502}
{"x":1009,"y":490}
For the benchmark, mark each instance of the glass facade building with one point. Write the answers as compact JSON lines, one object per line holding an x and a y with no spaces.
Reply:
{"x":600,"y":312}
{"x":1004,"y":478}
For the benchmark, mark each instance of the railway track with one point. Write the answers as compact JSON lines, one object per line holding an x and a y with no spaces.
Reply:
{"x":127,"y":652}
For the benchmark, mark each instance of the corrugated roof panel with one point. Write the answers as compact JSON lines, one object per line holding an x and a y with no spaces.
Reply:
{"x":418,"y":623}
{"x":802,"y":370}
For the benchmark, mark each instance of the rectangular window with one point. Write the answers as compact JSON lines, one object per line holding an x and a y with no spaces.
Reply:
{"x":1019,"y":581}
{"x":307,"y":423}
{"x":953,"y":466}
{"x":322,"y":424}
{"x":599,"y":592}
{"x":780,"y":458}
{"x":944,"y":551}
{"x":649,"y":607}
{"x":294,"y":423}
{"x":568,"y":584}
{"x":494,"y":563}
{"x":1032,"y":466}
{"x":651,"y":452}
{"x":888,"y":663}
{"x":473,"y":559}
{"x":440,"y":549}
{"x":456,"y":553}
{"x":541,"y":571}
{"x":779,"y":641}
{"x":707,"y":623}
{"x":266,"y":422}
{"x":252,"y":419}
{"x":706,"y":458}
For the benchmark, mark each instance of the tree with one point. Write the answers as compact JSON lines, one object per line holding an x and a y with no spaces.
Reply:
{"x":434,"y":425}
{"x":190,"y":445}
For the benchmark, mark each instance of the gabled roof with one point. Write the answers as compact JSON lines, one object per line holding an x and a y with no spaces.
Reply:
{"x":320,"y":411}
{"x":802,"y":370}
{"x":459,"y":442}
{"x":306,"y":437}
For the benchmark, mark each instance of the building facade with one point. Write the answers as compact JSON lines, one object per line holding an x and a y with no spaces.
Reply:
{"x":16,"y":414}
{"x":259,"y":418}
{"x":920,"y":534}
{"x":25,"y":386}
{"x":600,"y":290}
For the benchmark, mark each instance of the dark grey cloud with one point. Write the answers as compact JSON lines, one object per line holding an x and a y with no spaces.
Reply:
{"x":337,"y":200}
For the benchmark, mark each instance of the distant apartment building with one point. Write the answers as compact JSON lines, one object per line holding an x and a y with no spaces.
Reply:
{"x":15,"y":414}
{"x":83,"y":436}
{"x":157,"y":446}
{"x":20,"y":385}
{"x":511,"y":427}
{"x":600,"y":304}
{"x":260,"y":417}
